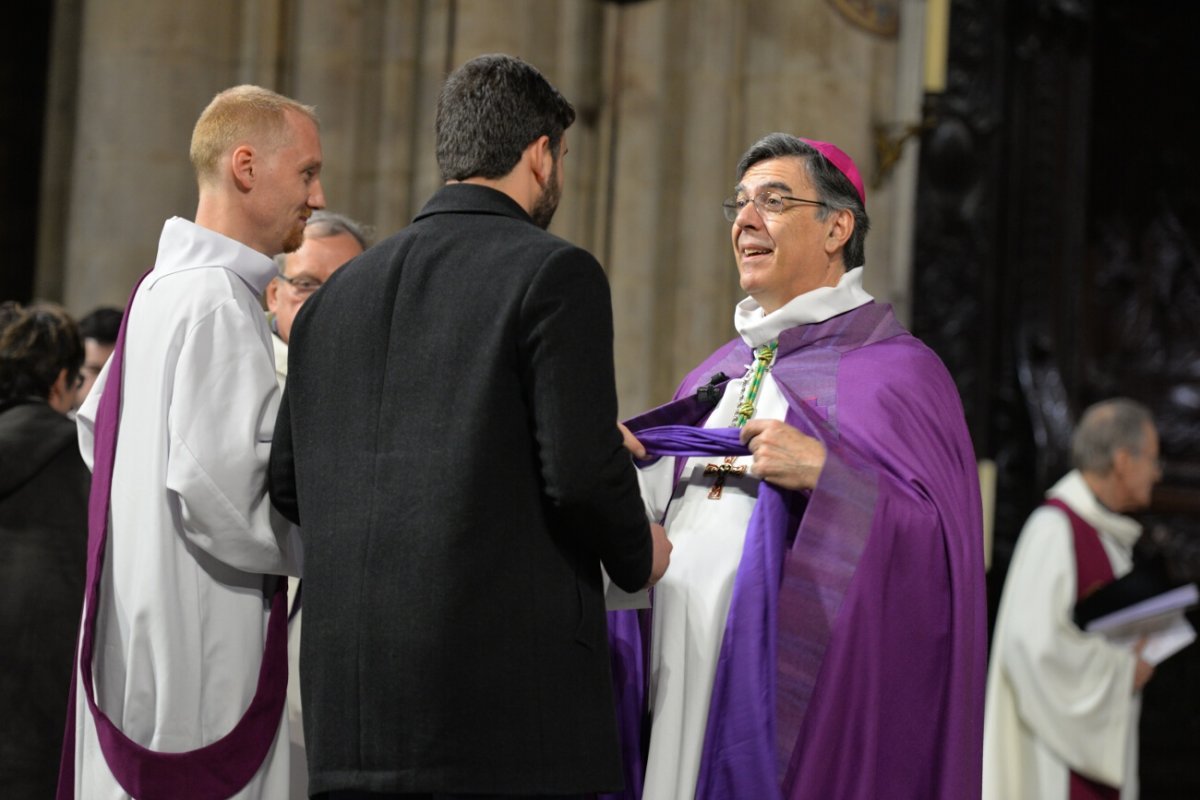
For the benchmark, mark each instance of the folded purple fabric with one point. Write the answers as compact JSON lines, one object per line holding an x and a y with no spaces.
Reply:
{"x":684,"y":440}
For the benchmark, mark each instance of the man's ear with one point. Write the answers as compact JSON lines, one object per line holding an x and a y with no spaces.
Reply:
{"x":840,"y":230}
{"x":1122,"y":458}
{"x":244,"y":166}
{"x":541,"y":159}
{"x":272,"y":294}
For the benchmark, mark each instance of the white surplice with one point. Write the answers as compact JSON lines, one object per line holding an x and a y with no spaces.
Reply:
{"x":183,"y":608}
{"x":691,"y":602}
{"x":299,"y":756}
{"x":1058,"y":698}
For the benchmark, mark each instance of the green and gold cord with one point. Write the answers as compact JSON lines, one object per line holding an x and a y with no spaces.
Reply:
{"x":763,"y":357}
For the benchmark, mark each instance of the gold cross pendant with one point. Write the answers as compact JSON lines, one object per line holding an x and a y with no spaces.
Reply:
{"x":722,"y":471}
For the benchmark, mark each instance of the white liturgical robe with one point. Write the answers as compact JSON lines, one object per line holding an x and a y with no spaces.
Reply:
{"x":1059,"y":699}
{"x":691,"y":602}
{"x":184,"y":599}
{"x":299,"y":757}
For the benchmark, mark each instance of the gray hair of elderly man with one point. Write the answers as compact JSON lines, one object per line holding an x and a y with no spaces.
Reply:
{"x":323,"y":224}
{"x":1107,"y":427}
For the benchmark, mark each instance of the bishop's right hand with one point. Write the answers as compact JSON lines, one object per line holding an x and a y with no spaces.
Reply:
{"x":662,"y":553}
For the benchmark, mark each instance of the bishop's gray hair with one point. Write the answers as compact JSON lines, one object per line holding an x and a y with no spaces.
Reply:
{"x":1106,"y":427}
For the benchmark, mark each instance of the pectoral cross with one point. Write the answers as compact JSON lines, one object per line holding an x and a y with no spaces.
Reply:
{"x":722,"y":471}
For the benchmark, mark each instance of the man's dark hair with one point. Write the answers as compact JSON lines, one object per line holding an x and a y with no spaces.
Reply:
{"x":832,"y":186}
{"x":492,"y":108}
{"x":36,"y":343}
{"x":103,"y":325}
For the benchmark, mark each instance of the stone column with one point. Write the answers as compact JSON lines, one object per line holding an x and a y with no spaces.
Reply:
{"x":146,"y":70}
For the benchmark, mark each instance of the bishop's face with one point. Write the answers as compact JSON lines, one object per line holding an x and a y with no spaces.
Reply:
{"x":782,"y":255}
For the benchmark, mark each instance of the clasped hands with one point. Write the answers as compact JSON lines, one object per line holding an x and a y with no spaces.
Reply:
{"x":783,"y":456}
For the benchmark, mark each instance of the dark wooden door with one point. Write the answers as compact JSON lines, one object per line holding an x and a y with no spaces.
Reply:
{"x":1056,"y":264}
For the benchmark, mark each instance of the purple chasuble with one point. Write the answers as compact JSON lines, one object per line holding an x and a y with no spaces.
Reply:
{"x":1092,"y":571}
{"x":215,"y":771}
{"x":854,"y":655}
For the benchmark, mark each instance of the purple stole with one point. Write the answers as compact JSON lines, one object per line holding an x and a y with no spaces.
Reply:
{"x":215,"y":771}
{"x":762,"y":737}
{"x":1092,"y":571}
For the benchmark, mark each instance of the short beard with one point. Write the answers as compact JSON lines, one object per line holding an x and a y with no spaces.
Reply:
{"x":547,"y":203}
{"x":292,"y":243}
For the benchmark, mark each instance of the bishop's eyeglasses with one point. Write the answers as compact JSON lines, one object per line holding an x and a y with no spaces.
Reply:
{"x":768,"y":202}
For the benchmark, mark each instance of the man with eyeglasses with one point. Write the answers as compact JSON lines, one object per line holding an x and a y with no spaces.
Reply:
{"x":822,"y":630}
{"x":330,"y":240}
{"x":99,"y":331}
{"x":1063,"y":705}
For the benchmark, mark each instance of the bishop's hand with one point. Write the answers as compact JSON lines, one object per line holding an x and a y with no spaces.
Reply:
{"x":782,"y":454}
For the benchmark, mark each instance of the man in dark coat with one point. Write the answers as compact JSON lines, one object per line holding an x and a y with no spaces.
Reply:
{"x":43,"y":541}
{"x":448,"y":443}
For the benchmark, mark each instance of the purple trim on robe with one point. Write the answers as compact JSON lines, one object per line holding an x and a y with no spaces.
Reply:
{"x":217,"y":770}
{"x":1093,"y":569}
{"x":854,"y":654}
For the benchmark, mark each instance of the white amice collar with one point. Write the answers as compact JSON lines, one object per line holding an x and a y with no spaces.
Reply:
{"x":1073,"y":490}
{"x":757,"y":328}
{"x":186,"y":245}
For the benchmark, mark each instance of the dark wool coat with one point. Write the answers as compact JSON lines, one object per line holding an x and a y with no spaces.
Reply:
{"x":43,"y":562}
{"x":448,"y":442}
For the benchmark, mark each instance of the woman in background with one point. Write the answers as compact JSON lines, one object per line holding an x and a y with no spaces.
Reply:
{"x":43,"y":541}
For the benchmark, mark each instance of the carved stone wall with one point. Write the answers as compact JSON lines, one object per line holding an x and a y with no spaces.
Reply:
{"x":669,"y":93}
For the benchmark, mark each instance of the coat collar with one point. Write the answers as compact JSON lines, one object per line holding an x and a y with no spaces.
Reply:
{"x":471,"y":198}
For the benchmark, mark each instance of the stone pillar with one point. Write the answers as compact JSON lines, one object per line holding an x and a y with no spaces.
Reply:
{"x":668,"y":93}
{"x":146,"y":70}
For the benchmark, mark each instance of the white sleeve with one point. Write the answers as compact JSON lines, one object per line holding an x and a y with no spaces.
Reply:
{"x":1074,"y":690}
{"x":222,"y":415}
{"x":656,"y":482}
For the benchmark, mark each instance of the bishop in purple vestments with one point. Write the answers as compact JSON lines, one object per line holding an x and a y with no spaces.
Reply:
{"x":822,"y":630}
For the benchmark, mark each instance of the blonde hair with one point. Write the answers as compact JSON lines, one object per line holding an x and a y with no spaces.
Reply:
{"x":237,"y":115}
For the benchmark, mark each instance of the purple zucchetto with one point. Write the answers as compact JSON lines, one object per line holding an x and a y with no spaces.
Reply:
{"x":843,"y":162}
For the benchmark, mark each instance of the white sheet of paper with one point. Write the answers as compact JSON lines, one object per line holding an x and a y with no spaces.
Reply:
{"x":1147,"y":616}
{"x":1164,"y":642}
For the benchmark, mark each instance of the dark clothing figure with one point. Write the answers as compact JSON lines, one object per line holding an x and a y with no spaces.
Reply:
{"x":43,"y":557}
{"x":448,"y":442}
